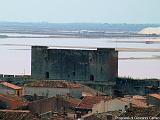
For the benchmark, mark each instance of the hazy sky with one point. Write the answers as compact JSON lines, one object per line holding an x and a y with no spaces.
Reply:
{"x":110,"y":11}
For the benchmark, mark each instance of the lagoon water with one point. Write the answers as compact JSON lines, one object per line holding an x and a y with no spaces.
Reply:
{"x":16,"y":54}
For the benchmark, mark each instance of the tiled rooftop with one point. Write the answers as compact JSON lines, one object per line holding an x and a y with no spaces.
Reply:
{"x":60,"y":116}
{"x":136,"y":101}
{"x":132,"y":112}
{"x":10,"y":85}
{"x":142,"y":112}
{"x":11,"y":97}
{"x":16,"y":115}
{"x":54,"y":84}
{"x":102,"y":116}
{"x":89,"y":101}
{"x":74,"y":102}
{"x":156,"y":95}
{"x":15,"y":111}
{"x":54,"y":103}
{"x":13,"y":101}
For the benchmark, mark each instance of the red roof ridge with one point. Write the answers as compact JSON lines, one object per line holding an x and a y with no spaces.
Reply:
{"x":10,"y":85}
{"x":156,"y":95}
{"x":6,"y":110}
{"x":13,"y":98}
{"x":88,"y":101}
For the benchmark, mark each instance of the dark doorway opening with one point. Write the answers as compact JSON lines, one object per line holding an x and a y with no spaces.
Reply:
{"x":74,"y":73}
{"x":47,"y":75}
{"x":91,"y":77}
{"x":18,"y":93}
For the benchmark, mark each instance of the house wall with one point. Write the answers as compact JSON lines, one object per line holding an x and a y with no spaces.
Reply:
{"x":100,"y":107}
{"x":51,"y":92}
{"x":112,"y":105}
{"x":19,"y":92}
{"x":44,"y":106}
{"x":5,"y":90}
{"x":94,"y":65}
{"x":76,"y":92}
{"x":116,"y":105}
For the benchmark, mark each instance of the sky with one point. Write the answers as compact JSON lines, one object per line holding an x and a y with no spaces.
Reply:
{"x":66,"y":11}
{"x":16,"y":60}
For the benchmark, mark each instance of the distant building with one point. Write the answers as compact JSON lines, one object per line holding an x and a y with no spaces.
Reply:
{"x":8,"y":88}
{"x":100,"y":104}
{"x":52,"y":88}
{"x":88,"y":65}
{"x":71,"y":64}
{"x":89,"y":103}
{"x":59,"y":104}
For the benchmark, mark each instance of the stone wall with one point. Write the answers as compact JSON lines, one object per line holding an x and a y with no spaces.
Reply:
{"x":71,"y":64}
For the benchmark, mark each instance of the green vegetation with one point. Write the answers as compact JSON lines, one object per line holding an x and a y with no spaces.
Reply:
{"x":3,"y":105}
{"x":130,"y":78}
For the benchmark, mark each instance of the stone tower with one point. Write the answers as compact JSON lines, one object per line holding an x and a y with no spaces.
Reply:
{"x":99,"y":65}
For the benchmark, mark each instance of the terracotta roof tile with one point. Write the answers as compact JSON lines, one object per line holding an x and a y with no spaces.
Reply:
{"x":89,"y":101}
{"x":155,"y":95}
{"x":74,"y":102}
{"x":102,"y":116}
{"x":20,"y":111}
{"x":54,"y":103}
{"x":142,"y":112}
{"x":10,"y":85}
{"x":54,"y":84}
{"x":16,"y":115}
{"x":13,"y":101}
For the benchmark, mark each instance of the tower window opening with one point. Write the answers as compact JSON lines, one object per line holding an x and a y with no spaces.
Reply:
{"x":47,"y":75}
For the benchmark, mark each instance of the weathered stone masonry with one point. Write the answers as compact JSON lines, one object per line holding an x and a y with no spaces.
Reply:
{"x":69,"y":64}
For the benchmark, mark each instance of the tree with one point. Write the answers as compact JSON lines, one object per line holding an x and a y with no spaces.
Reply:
{"x":3,"y":105}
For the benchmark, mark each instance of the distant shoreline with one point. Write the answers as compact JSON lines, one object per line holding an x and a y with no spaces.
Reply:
{"x":77,"y":35}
